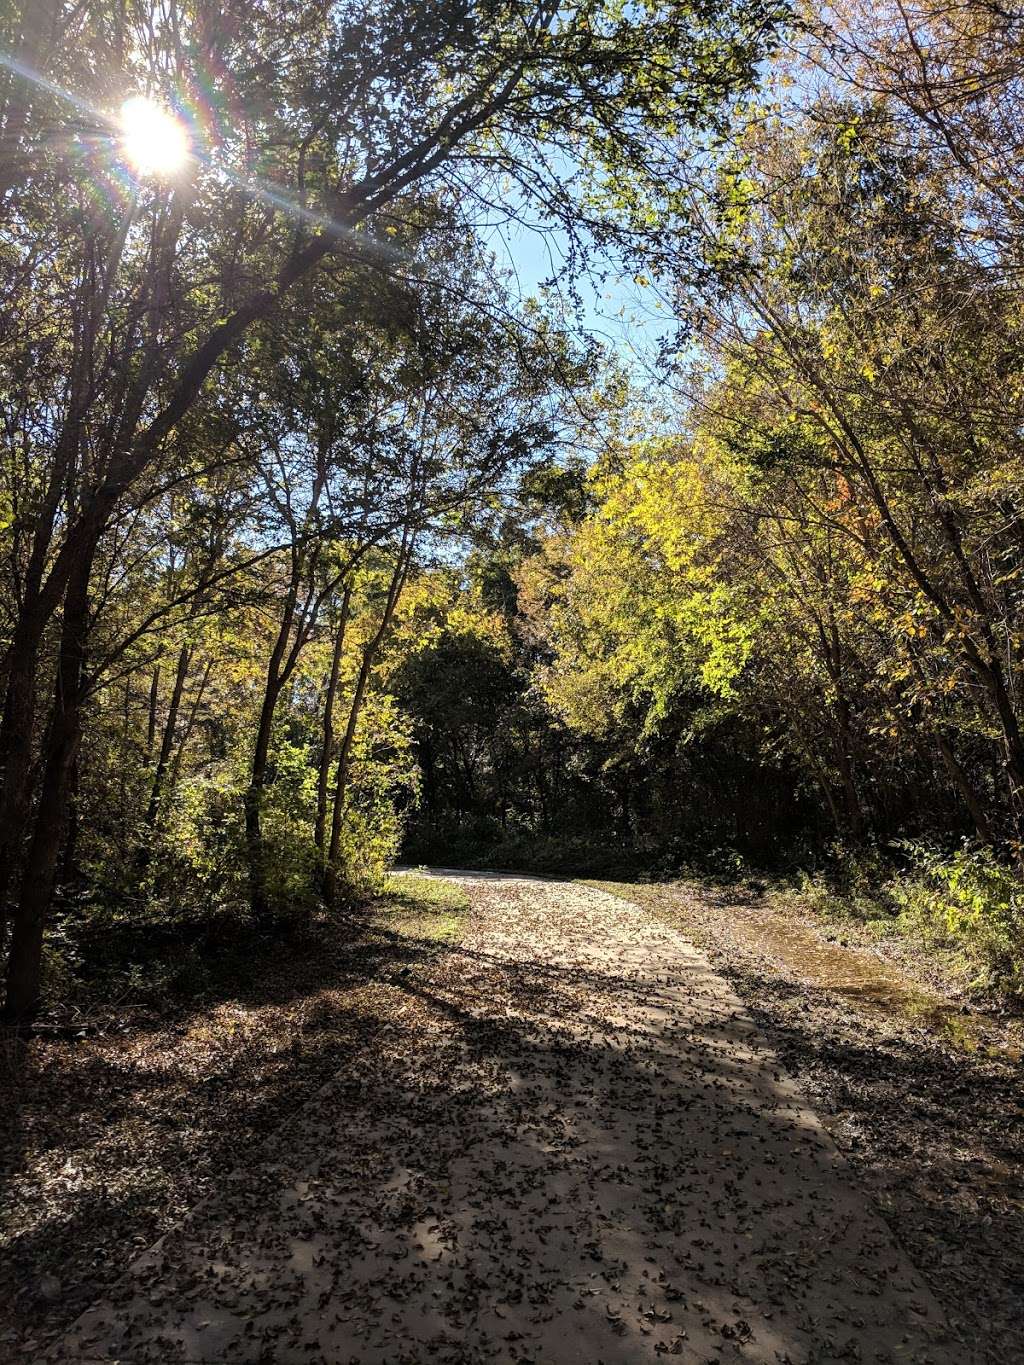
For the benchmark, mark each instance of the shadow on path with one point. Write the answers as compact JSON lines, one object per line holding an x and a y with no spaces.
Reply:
{"x":596,"y":1160}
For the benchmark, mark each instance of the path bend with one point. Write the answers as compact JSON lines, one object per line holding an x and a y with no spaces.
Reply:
{"x":596,"y":1160}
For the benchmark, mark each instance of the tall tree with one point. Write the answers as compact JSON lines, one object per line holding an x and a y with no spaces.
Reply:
{"x":313,"y":129}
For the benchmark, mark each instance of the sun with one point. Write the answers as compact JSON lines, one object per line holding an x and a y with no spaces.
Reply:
{"x":153,"y":141}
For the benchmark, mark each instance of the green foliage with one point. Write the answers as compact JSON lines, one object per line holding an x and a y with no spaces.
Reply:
{"x":272,"y":378}
{"x":384,"y":788}
{"x":844,"y":882}
{"x":198,"y":851}
{"x":305,"y":555}
{"x":290,"y":856}
{"x":964,"y":904}
{"x":969,"y":902}
{"x":425,"y":908}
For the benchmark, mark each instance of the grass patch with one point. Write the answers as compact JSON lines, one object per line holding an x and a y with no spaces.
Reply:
{"x":422,"y":907}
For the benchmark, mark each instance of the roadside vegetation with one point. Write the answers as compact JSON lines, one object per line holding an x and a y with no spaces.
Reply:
{"x":380,"y":559}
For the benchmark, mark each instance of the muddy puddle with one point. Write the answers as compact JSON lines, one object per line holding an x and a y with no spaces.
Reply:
{"x":862,"y":977}
{"x":856,"y":974}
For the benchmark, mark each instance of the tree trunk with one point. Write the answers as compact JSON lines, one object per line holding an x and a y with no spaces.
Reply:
{"x":252,"y":800}
{"x":1013,"y":743}
{"x":330,"y":879}
{"x":154,"y":697}
{"x":320,"y":831}
{"x":965,"y":787}
{"x":277,"y":676}
{"x":191,"y":722}
{"x":24,"y":965}
{"x":854,"y":816}
{"x":167,"y":741}
{"x":69,"y":870}
{"x":16,"y":731}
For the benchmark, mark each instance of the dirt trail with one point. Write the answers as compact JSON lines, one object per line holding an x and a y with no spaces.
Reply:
{"x":598,"y":1161}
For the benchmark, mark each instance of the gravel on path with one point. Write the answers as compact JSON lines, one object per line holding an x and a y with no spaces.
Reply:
{"x":599,"y":1159}
{"x":920,"y":1087}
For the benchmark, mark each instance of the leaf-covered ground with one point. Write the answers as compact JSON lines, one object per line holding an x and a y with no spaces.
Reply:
{"x":107,"y":1139}
{"x":541,"y":1132}
{"x":588,"y":1154}
{"x":921,"y":1089}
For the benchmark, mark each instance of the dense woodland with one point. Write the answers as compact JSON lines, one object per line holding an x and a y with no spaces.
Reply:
{"x":322,"y":546}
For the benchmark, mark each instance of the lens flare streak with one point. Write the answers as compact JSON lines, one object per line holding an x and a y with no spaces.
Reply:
{"x":154,"y":142}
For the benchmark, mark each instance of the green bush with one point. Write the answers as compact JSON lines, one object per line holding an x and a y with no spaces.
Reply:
{"x":383,"y":788}
{"x":967,"y":902}
{"x":970,"y":902}
{"x":849,"y":884}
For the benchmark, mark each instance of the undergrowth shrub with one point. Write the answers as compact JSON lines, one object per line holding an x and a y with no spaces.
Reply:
{"x":158,"y":915}
{"x":851,"y":883}
{"x":968,"y":901}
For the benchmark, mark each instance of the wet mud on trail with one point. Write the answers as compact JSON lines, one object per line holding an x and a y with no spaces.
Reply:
{"x":597,"y":1159}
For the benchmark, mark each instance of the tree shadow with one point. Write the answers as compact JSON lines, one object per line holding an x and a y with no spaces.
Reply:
{"x":475,"y":1193}
{"x":934,"y":1133}
{"x":206,"y":1121}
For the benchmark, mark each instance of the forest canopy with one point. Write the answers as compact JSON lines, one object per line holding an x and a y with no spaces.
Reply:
{"x":320,"y":543}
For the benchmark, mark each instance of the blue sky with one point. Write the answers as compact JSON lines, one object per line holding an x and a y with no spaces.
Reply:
{"x":621,"y":313}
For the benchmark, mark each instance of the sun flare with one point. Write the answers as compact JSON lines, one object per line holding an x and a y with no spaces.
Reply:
{"x":153,"y":141}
